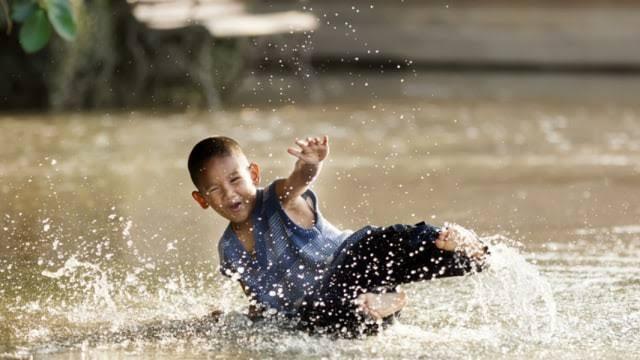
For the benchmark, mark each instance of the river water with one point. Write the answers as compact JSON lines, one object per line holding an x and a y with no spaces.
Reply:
{"x":103,"y":253}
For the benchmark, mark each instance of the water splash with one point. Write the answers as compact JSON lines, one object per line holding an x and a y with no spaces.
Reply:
{"x":92,"y":298}
{"x":137,"y":309}
{"x":515,"y":296}
{"x":92,"y":281}
{"x":506,"y":308}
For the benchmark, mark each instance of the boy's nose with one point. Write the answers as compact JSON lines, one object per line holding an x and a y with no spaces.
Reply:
{"x":227,"y":192}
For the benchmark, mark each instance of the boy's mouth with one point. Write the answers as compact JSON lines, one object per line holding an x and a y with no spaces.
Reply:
{"x":235,"y":206}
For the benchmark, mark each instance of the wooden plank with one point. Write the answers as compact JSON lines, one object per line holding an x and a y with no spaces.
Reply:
{"x":223,"y":18}
{"x":181,"y":13}
{"x":242,"y":25}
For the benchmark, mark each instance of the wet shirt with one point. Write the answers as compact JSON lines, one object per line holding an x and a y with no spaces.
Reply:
{"x":289,"y":260}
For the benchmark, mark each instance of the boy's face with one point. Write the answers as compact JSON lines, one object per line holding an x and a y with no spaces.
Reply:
{"x":228,"y":185}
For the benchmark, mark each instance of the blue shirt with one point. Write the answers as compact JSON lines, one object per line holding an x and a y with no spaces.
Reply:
{"x":289,"y":260}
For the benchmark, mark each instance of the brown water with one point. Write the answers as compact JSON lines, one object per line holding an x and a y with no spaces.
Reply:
{"x":104,"y":254}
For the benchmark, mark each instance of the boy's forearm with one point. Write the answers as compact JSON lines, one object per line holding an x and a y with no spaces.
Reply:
{"x":302,"y":176}
{"x":305,"y":173}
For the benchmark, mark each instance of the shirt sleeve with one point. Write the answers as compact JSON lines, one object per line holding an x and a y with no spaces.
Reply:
{"x":271,"y":201}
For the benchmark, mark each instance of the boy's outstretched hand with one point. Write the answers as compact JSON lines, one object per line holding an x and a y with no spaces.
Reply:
{"x":312,"y":151}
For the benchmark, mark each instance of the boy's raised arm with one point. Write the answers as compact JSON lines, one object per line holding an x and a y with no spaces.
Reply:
{"x":310,"y":154}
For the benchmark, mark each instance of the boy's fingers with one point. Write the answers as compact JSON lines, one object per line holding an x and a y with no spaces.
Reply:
{"x":325,"y":140}
{"x":294,"y":152}
{"x":301,"y":143}
{"x":374,"y":314}
{"x":364,"y":307}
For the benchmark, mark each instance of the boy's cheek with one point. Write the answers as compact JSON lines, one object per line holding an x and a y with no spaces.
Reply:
{"x":216,"y":206}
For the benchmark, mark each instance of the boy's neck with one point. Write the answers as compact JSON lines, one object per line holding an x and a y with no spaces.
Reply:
{"x":243,"y":226}
{"x":244,"y":233}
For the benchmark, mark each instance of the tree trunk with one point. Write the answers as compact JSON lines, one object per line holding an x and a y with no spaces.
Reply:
{"x":118,"y":62}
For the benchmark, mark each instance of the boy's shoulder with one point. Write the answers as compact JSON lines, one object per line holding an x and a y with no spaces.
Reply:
{"x":272,"y":198}
{"x":230,"y":255}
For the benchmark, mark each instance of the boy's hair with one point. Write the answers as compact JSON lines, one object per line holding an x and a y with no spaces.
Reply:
{"x":206,"y":149}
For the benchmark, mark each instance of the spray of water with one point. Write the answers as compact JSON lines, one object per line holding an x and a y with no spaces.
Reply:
{"x":508,"y":308}
{"x":88,"y":304}
{"x":514,"y":295}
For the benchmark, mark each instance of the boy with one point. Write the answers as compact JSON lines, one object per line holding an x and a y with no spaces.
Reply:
{"x":293,"y":262}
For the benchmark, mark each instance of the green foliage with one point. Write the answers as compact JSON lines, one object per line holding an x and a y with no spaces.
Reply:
{"x":61,"y":18}
{"x":38,"y":18}
{"x":22,"y":9}
{"x":35,"y":32}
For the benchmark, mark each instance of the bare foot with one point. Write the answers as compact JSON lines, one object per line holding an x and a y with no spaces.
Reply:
{"x":456,"y":238}
{"x":379,"y":306}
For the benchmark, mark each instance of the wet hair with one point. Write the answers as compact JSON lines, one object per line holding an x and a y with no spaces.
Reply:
{"x":206,"y":149}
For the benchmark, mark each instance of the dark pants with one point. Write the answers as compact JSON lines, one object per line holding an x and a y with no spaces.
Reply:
{"x":376,"y":260}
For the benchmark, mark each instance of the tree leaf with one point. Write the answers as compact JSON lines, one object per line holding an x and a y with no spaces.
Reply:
{"x":61,"y":18}
{"x":35,"y":32}
{"x":22,"y":9}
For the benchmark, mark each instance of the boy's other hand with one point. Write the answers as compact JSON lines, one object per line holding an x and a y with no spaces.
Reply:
{"x":312,"y":150}
{"x":379,"y":306}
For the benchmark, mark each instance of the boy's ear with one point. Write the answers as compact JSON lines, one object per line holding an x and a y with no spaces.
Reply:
{"x":200,"y":199}
{"x":254,"y":170}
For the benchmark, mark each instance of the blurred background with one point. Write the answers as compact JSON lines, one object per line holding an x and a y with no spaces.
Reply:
{"x":206,"y":53}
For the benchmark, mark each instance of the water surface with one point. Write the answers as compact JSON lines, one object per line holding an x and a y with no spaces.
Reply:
{"x":103,"y":253}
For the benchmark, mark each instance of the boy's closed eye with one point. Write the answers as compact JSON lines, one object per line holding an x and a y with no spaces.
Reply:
{"x":215,"y":189}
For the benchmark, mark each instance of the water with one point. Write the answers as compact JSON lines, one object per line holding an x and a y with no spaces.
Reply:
{"x":103,"y":253}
